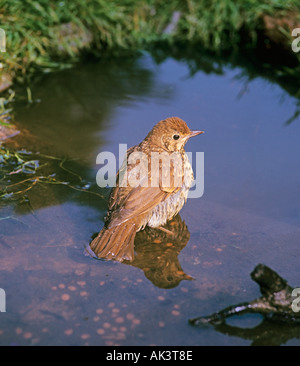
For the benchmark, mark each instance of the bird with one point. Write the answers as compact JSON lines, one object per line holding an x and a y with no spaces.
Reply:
{"x":152,"y":186}
{"x":156,"y":254}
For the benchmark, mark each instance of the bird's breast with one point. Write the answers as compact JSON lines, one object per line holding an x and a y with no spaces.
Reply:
{"x":167,"y":209}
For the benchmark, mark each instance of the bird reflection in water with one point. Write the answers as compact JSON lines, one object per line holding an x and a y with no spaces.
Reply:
{"x":156,"y":253}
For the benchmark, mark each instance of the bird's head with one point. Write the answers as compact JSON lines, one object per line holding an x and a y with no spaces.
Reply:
{"x":171,"y":134}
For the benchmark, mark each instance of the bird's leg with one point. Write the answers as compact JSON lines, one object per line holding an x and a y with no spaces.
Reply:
{"x":165,"y":230}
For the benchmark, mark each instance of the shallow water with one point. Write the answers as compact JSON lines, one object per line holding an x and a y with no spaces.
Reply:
{"x":249,"y":212}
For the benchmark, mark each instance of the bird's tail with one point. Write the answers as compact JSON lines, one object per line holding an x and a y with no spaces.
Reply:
{"x":115,"y":243}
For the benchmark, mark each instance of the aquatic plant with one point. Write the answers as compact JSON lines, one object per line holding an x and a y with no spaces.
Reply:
{"x":20,"y":171}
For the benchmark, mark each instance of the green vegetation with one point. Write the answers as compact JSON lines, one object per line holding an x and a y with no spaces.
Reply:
{"x":20,"y":171}
{"x":42,"y":35}
{"x":5,"y":108}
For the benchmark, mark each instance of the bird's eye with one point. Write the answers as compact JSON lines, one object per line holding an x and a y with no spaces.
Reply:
{"x":176,"y":137}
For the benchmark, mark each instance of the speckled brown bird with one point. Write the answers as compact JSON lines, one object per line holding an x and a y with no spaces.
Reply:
{"x":147,"y":194}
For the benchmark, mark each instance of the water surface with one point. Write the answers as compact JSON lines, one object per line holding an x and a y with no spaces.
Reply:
{"x":249,"y":212}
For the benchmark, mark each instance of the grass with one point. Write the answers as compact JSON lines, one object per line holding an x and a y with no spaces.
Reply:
{"x":221,"y":24}
{"x":46,"y":35}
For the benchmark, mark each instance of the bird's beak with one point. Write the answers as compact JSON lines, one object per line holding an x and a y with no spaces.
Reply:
{"x":194,"y":133}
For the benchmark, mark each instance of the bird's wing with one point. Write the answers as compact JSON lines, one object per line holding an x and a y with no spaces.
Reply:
{"x":129,"y":202}
{"x":139,"y":201}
